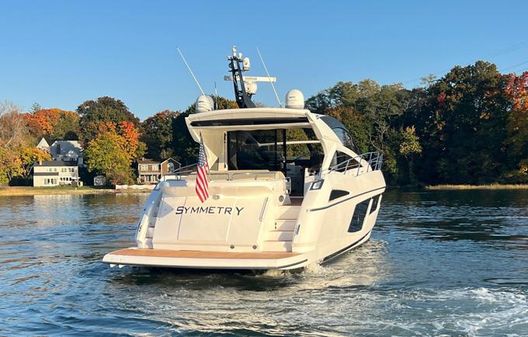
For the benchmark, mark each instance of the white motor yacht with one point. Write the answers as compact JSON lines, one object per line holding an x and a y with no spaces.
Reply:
{"x":284,"y":188}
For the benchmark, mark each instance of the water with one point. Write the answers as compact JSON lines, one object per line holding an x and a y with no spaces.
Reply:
{"x":438,"y":264}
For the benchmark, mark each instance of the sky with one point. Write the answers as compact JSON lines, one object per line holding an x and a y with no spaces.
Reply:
{"x":62,"y":53}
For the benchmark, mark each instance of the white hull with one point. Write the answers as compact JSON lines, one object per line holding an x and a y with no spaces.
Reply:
{"x":287,"y":237}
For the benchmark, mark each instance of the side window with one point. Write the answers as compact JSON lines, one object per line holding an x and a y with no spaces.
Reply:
{"x":359,"y":216}
{"x":375,"y":202}
{"x":343,"y":162}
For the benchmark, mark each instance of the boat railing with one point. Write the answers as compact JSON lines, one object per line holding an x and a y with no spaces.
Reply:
{"x":363,"y":163}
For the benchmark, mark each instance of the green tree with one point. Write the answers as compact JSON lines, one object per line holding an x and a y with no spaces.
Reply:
{"x":462,"y":126}
{"x":410,"y":147}
{"x":106,"y":155}
{"x":157,"y":134}
{"x":184,"y":146}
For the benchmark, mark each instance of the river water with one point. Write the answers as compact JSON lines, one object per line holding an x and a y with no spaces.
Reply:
{"x":438,"y":264}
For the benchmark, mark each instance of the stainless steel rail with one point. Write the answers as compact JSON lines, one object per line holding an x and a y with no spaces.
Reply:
{"x":374,"y":160}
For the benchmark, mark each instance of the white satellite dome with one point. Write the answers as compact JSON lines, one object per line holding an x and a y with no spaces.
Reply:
{"x":294,"y":99}
{"x":204,"y":103}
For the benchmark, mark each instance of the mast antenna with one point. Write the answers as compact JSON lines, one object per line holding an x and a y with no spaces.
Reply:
{"x":190,"y":71}
{"x":269,"y":77}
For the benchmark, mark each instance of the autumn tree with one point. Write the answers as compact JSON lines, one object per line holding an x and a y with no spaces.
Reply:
{"x":103,"y":109}
{"x":10,"y":165}
{"x":17,"y":151}
{"x":53,"y":124}
{"x":105,"y":155}
{"x":517,"y":126}
{"x":30,"y":156}
{"x":113,"y":150}
{"x":13,"y":129}
{"x":13,"y":137}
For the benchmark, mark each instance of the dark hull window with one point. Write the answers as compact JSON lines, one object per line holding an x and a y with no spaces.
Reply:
{"x":337,"y":194}
{"x":359,"y":216}
{"x":375,"y":202}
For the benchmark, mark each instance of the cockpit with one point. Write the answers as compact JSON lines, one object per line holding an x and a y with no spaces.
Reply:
{"x":291,"y":141}
{"x":295,"y":152}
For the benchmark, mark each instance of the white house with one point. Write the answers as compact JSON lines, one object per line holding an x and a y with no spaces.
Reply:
{"x":55,"y":173}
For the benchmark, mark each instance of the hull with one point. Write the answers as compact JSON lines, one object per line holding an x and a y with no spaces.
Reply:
{"x":271,"y":234}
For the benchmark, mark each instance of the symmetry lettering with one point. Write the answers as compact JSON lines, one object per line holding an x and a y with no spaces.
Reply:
{"x":209,"y":210}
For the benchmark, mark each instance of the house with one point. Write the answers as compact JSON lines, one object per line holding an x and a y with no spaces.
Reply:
{"x":66,"y":150}
{"x":55,"y":173}
{"x":151,"y":171}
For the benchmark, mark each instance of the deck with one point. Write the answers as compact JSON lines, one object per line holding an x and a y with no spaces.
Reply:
{"x":205,"y":259}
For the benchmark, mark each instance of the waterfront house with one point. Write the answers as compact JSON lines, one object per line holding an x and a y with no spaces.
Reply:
{"x":56,"y":173}
{"x":66,"y":150}
{"x":151,"y":171}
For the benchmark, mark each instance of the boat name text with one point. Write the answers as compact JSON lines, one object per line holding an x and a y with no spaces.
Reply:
{"x":208,"y":210}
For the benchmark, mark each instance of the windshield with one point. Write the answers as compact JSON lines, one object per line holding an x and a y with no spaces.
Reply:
{"x":340,"y":131}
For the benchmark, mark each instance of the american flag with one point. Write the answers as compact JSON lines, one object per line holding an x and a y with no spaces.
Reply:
{"x":202,"y":178}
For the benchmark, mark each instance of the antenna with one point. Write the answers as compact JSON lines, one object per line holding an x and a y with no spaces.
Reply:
{"x":269,"y":77}
{"x":192,"y":74}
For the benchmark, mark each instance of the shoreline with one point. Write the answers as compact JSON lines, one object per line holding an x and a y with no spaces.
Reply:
{"x":10,"y":191}
{"x":453,"y":187}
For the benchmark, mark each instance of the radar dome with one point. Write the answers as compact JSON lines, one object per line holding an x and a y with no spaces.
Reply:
{"x":295,"y":99}
{"x":204,"y":103}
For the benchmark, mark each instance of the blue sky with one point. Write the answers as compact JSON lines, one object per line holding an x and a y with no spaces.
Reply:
{"x":61,"y":53}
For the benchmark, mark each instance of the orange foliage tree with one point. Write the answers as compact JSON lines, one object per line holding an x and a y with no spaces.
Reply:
{"x":53,"y":123}
{"x":113,"y":150}
{"x":517,"y":122}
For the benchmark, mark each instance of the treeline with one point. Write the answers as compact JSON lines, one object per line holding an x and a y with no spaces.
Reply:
{"x":470,"y":126}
